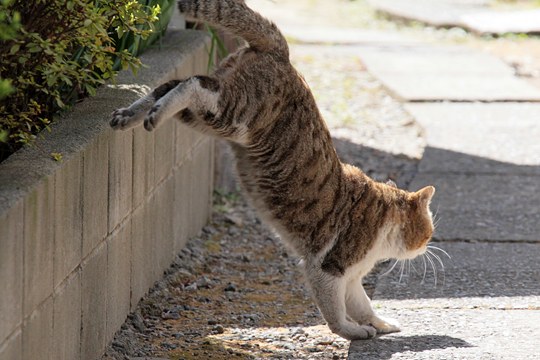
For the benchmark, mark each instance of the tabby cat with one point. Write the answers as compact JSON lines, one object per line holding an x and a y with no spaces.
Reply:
{"x":339,"y":221}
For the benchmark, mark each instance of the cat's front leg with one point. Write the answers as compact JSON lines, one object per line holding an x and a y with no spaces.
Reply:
{"x":127,"y":118}
{"x":198,"y":94}
{"x":359,"y":309}
{"x":329,"y":294}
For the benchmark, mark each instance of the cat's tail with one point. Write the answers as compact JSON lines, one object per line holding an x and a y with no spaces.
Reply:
{"x":234,"y":15}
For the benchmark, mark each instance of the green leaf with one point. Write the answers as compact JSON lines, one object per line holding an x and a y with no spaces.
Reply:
{"x":120,"y":31}
{"x":14,"y":49}
{"x":57,"y":156}
{"x":4,"y":136}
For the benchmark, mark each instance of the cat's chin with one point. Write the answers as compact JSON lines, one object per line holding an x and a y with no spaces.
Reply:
{"x":409,"y":255}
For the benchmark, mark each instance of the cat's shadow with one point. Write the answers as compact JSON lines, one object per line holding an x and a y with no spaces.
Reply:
{"x":384,"y":347}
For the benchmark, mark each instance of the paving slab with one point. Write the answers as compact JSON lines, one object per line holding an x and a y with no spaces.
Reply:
{"x":433,"y":73}
{"x":436,"y":13}
{"x":486,"y":306}
{"x":497,"y":22}
{"x":499,"y":138}
{"x":475,"y":16}
{"x":344,"y":36}
{"x":484,"y":207}
{"x":411,"y":87}
{"x":431,"y":59}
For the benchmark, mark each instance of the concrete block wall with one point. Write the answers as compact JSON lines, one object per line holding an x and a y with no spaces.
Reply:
{"x":82,"y":240}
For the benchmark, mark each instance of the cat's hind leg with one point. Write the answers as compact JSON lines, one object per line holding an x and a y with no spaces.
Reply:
{"x":127,"y":118}
{"x":329,"y":293}
{"x":359,"y":309}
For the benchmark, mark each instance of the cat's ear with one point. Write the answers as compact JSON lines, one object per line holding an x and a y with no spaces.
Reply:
{"x":425,"y":194}
{"x":391,"y":183}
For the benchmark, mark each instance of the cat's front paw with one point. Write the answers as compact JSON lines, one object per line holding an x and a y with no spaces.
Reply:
{"x":353,"y":331}
{"x":384,"y":325}
{"x":152,"y":119}
{"x":123,"y":119}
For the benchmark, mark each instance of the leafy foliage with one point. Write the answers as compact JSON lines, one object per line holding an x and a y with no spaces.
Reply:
{"x":52,"y":52}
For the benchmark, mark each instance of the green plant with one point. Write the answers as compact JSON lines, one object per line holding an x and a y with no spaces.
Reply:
{"x":9,"y":26}
{"x":218,"y":50}
{"x":58,"y":51}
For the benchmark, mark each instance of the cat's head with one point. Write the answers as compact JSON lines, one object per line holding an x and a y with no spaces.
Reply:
{"x":416,"y":223}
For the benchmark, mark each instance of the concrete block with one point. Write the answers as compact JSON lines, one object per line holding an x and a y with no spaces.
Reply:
{"x":93,"y":303}
{"x":118,"y":279}
{"x":143,"y":164}
{"x":185,"y":139}
{"x":162,"y":215}
{"x":225,"y":168}
{"x":200,"y":59}
{"x":11,"y":349}
{"x":95,"y":193}
{"x":196,"y":63}
{"x":120,"y":176}
{"x":142,"y":248}
{"x":182,"y":205}
{"x":68,"y":219}
{"x":164,"y":150}
{"x":11,"y":270}
{"x":67,"y":319}
{"x":37,"y":332}
{"x":38,"y":245}
{"x":201,"y":185}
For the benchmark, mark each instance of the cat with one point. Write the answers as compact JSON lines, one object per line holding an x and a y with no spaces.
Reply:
{"x":333,"y":216}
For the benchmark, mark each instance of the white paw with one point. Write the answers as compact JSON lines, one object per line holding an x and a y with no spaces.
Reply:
{"x":123,"y":119}
{"x":384,"y":325}
{"x":353,"y":331}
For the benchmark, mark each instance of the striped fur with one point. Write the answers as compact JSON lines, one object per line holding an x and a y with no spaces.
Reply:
{"x":331,"y":214}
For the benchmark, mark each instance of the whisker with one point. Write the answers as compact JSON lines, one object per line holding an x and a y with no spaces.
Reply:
{"x":391,"y":268}
{"x":442,"y":265}
{"x":425,"y":268}
{"x":414,"y":267}
{"x":436,"y":222}
{"x":436,"y":218}
{"x":437,"y":258}
{"x":436,"y":212}
{"x":401,"y":271}
{"x":433,"y":266}
{"x":441,"y":250}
